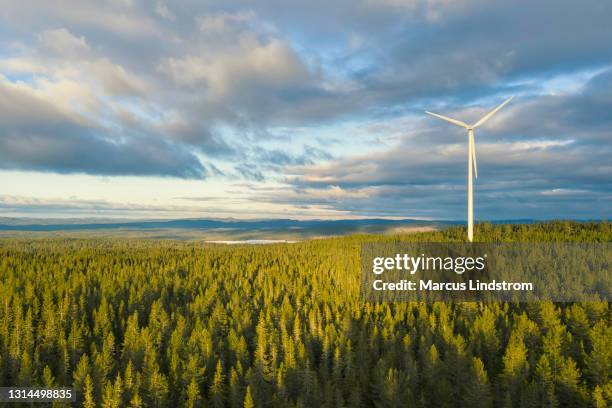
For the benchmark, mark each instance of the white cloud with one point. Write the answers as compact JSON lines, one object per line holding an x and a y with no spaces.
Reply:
{"x":563,"y":192}
{"x":224,"y":21}
{"x":164,"y":12}
{"x":63,"y":42}
{"x":432,"y":10}
{"x":115,"y":79}
{"x":538,"y":144}
{"x":118,"y":17}
{"x":250,"y":63}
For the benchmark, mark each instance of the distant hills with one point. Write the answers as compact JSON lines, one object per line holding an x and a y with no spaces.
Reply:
{"x":212,"y":229}
{"x":215,"y":229}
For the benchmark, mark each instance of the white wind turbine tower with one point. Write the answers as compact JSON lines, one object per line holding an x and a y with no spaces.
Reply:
{"x":471,"y":157}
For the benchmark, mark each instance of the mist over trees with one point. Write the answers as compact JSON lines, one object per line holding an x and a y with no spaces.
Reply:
{"x":132,"y":323}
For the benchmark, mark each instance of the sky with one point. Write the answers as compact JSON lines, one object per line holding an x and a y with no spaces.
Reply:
{"x":304,"y":109}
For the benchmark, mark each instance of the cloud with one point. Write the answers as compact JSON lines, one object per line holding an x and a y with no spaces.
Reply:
{"x":121,"y":18}
{"x":164,"y":12}
{"x":36,"y":135}
{"x":75,"y":205}
{"x":281,"y":158}
{"x":62,"y":42}
{"x":251,"y":64}
{"x":250,"y":81}
{"x":249,"y":172}
{"x":326,"y":101}
{"x":541,"y":150}
{"x":223,"y":22}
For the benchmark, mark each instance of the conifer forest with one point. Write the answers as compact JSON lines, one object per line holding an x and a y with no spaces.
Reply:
{"x":151,"y":323}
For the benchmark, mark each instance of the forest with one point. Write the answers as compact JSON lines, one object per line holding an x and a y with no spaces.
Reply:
{"x":154,"y":323}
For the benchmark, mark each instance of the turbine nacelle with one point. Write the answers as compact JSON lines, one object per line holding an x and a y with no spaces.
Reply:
{"x":470,"y":129}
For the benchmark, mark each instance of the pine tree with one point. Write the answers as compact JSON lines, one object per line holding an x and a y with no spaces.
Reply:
{"x":193,"y":395}
{"x":80,"y":373}
{"x":118,"y":390}
{"x":88,"y":397}
{"x":235,"y":390}
{"x":129,"y":381}
{"x":48,"y":378}
{"x":136,"y":401}
{"x":545,"y":384}
{"x":248,"y":399}
{"x":598,"y":400}
{"x":25,"y":377}
{"x":599,"y":360}
{"x":108,"y":396}
{"x":516,"y":368}
{"x":217,"y":389}
{"x":158,"y":389}
{"x":478,"y":393}
{"x":568,"y":385}
{"x":263,"y":354}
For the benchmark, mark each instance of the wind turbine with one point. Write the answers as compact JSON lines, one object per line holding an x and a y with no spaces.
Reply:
{"x":471,"y":157}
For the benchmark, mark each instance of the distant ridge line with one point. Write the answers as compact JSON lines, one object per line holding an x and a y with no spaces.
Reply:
{"x":215,"y":224}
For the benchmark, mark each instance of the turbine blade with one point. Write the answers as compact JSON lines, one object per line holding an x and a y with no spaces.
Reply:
{"x":473,"y":153}
{"x":453,"y":121}
{"x":493,"y":112}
